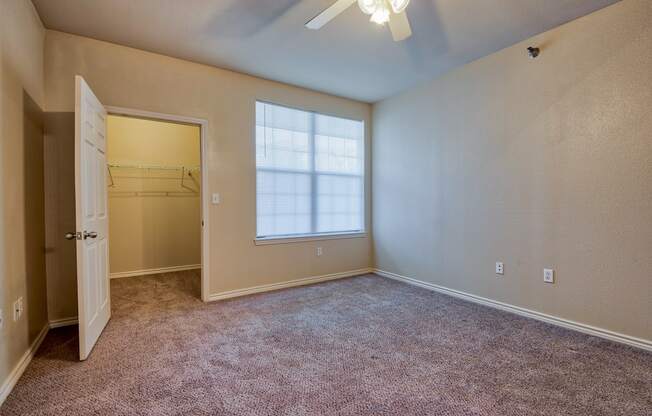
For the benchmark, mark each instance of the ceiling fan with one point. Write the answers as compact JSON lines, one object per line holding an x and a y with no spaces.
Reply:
{"x":381,"y":12}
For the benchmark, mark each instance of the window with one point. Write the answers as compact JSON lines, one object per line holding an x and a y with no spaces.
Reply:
{"x":309,"y":173}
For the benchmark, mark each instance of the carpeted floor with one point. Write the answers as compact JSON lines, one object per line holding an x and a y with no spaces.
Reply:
{"x":358,"y":346}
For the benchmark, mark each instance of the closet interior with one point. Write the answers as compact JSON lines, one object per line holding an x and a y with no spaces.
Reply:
{"x":154,"y":187}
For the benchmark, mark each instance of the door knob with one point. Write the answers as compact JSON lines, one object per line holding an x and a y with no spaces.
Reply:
{"x":73,"y":236}
{"x":90,"y":234}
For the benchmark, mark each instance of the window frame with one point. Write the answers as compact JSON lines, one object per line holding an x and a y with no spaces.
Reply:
{"x":316,"y":236}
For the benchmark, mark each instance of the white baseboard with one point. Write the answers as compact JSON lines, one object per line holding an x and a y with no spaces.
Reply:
{"x":292,"y":283}
{"x":58,"y":323}
{"x":554,"y":320}
{"x":146,"y":272}
{"x":19,"y":369}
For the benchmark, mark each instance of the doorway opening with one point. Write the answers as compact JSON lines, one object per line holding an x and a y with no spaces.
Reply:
{"x":155,"y":183}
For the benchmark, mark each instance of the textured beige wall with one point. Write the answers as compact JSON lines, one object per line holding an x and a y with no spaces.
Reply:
{"x":538,"y":163}
{"x":136,"y":141}
{"x":152,"y":232}
{"x":126,"y":77}
{"x":22,"y":244}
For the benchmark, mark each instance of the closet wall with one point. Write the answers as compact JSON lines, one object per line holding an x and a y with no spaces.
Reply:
{"x":154,"y":215}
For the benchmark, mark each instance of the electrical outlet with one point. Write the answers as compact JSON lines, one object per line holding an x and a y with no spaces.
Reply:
{"x":549,"y":275}
{"x":319,"y":251}
{"x":500,"y":267}
{"x":18,"y":308}
{"x":16,"y":311}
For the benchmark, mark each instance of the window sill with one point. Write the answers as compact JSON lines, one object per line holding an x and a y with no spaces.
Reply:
{"x":305,"y":238}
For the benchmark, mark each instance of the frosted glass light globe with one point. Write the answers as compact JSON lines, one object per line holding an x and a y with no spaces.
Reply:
{"x":367,"y":6}
{"x":381,"y":15}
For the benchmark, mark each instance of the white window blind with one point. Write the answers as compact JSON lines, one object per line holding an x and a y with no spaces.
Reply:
{"x":309,"y":173}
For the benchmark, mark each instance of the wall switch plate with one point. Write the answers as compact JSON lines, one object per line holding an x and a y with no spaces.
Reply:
{"x":2,"y":320}
{"x":500,"y":267}
{"x":319,"y":251}
{"x":548,"y":275}
{"x":215,"y":199}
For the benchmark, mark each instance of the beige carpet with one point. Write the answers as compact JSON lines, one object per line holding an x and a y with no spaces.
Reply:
{"x":359,"y":346}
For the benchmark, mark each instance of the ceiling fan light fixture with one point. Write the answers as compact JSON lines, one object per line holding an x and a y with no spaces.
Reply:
{"x":380,"y":15}
{"x":380,"y":12}
{"x":399,"y":5}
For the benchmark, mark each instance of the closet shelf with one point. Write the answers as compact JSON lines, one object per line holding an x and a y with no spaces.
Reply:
{"x":127,"y":180}
{"x":153,"y":167}
{"x":127,"y":194}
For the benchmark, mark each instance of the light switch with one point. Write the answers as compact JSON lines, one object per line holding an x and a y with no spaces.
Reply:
{"x":216,"y":199}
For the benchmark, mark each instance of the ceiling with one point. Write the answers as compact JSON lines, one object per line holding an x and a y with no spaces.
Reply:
{"x":349,"y":57}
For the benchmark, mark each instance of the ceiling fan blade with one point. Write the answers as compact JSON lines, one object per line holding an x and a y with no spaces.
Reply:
{"x":399,"y":25}
{"x":329,"y":14}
